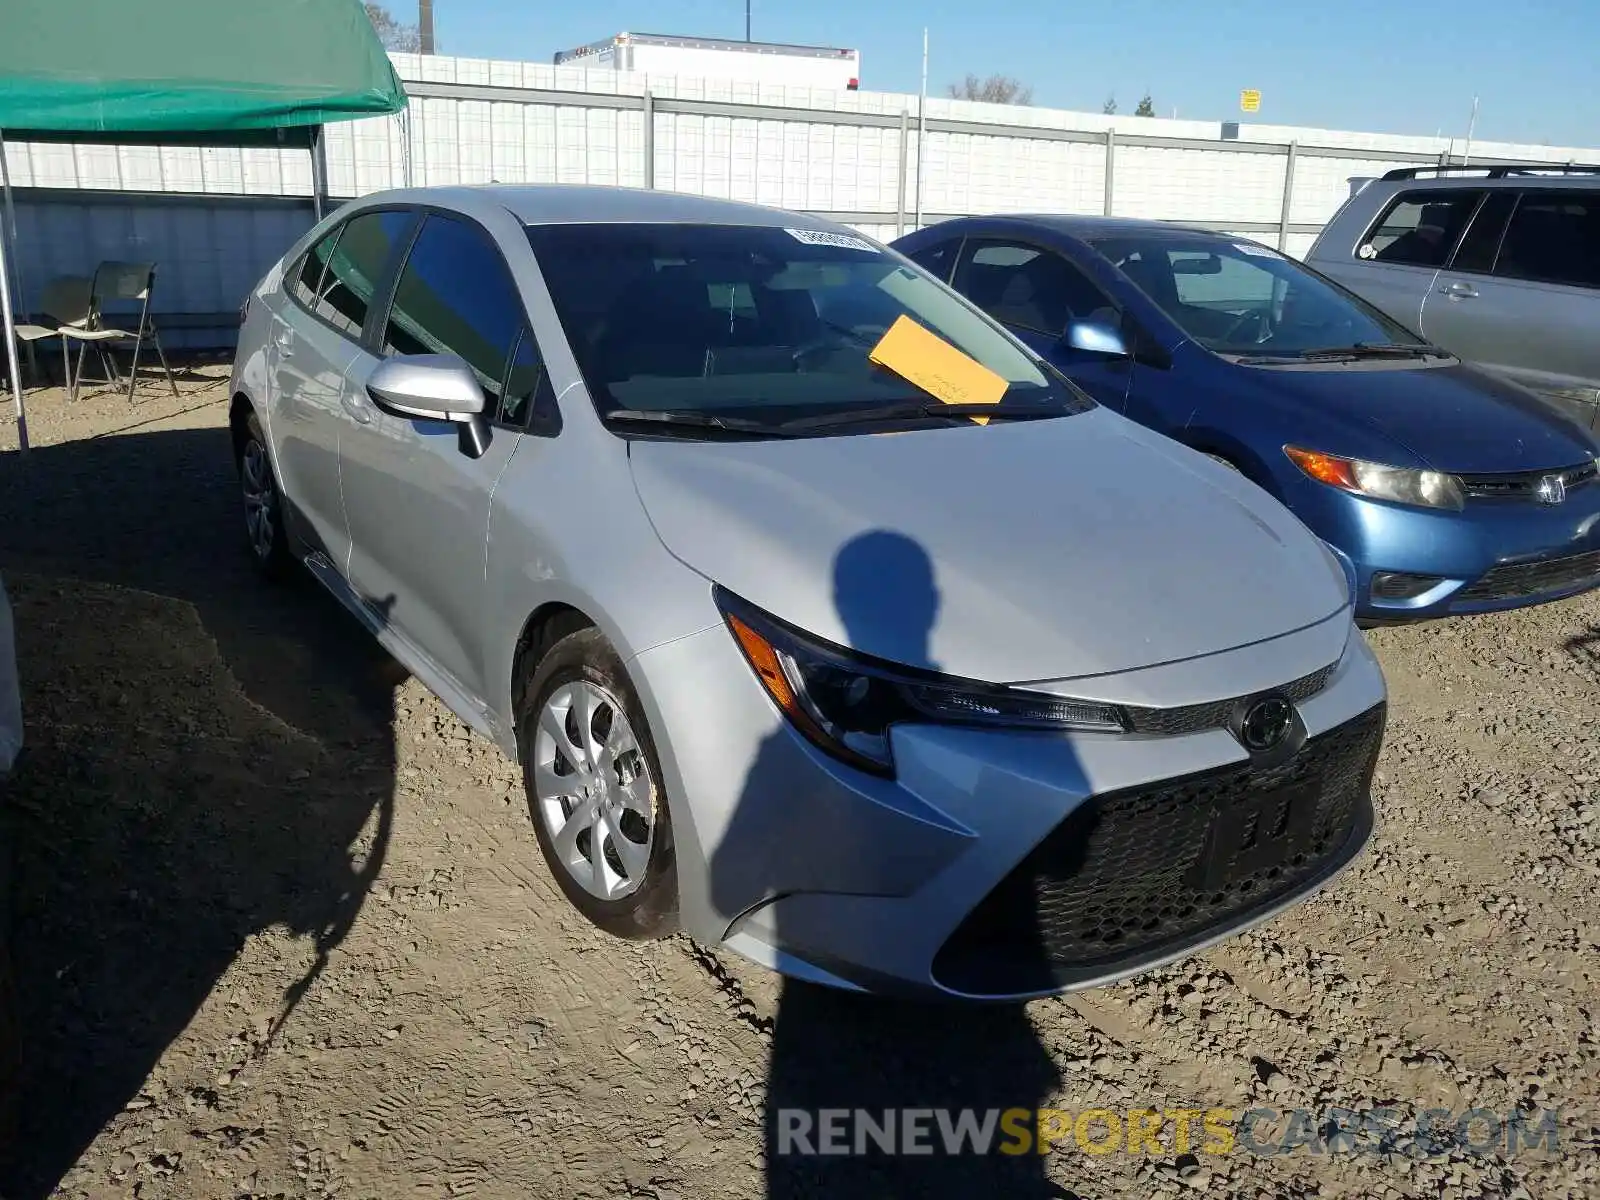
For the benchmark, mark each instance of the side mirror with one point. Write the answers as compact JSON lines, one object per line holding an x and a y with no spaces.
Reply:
{"x":434,"y":387}
{"x":1096,"y":338}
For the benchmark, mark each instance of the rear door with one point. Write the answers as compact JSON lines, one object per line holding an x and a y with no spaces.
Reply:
{"x":310,"y":346}
{"x":419,"y":508}
{"x":1396,"y":260}
{"x":1522,"y":295}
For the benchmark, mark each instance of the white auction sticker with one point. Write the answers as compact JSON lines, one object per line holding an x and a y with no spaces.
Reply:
{"x":825,"y":237}
{"x":1254,"y":250}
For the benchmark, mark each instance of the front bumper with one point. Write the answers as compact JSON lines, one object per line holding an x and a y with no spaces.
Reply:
{"x":996,"y":865}
{"x":1492,"y":555}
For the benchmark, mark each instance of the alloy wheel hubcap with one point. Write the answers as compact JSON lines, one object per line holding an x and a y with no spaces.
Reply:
{"x":593,"y":791}
{"x":260,"y":498}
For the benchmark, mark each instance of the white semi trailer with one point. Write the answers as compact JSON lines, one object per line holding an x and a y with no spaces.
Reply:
{"x":719,"y":58}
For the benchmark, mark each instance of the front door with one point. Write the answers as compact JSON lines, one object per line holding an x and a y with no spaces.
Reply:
{"x":1036,"y":292}
{"x":419,"y":507}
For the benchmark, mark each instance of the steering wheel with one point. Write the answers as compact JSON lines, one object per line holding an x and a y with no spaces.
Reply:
{"x":1262,"y":322}
{"x":836,"y":335}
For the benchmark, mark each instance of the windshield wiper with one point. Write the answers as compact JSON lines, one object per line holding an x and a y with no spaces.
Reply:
{"x":666,"y":418}
{"x":925,"y":408}
{"x":1373,"y":350}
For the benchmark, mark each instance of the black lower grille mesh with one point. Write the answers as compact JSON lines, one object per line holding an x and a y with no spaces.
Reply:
{"x":1132,"y":875}
{"x":1510,"y":581}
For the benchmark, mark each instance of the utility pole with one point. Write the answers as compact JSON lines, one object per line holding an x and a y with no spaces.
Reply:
{"x":425,"y":26}
{"x":747,"y":20}
{"x":922,"y":125}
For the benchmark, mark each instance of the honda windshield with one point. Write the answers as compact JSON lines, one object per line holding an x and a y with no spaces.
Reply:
{"x":766,"y":324}
{"x":1239,"y":298}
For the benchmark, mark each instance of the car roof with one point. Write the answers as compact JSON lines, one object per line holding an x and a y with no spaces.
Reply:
{"x":568,"y":204}
{"x":1090,"y":227}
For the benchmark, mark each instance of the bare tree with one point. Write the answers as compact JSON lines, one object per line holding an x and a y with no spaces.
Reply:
{"x":997,"y":89}
{"x":1147,"y":107}
{"x":1110,"y":106}
{"x":394,"y":35}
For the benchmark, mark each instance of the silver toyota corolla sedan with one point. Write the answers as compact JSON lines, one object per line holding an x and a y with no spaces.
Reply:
{"x":827,"y":622}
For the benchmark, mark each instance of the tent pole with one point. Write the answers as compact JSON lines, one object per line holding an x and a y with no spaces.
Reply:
{"x":319,"y":172}
{"x":9,"y":319}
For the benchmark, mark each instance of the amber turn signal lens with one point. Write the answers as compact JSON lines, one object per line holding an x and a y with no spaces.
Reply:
{"x":1325,"y":468}
{"x":767,"y":667}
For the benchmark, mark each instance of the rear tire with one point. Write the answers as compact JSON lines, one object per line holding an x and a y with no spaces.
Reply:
{"x":593,"y":783}
{"x":265,"y":535}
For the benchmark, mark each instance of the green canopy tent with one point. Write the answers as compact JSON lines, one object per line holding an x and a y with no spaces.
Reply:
{"x":182,"y":72}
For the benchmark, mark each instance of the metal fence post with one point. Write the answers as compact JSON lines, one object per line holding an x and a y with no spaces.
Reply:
{"x":1111,"y":159}
{"x":649,"y":139}
{"x":1288,"y":197}
{"x":900,"y":199}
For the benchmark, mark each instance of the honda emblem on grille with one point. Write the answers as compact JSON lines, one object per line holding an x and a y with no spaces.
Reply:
{"x":1266,"y":723}
{"x":1552,"y":489}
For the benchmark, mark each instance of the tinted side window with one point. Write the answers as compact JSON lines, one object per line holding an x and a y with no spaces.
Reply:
{"x":1420,"y":228}
{"x":456,"y":296}
{"x":306,"y":279}
{"x":1478,"y":249}
{"x":937,"y":259}
{"x":356,"y":267}
{"x":527,"y":385}
{"x":1555,"y":238}
{"x":1026,"y":286}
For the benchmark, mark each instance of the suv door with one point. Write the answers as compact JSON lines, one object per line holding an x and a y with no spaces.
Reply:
{"x":419,"y":508}
{"x":1393,"y":265}
{"x":1035,"y":292}
{"x":1522,"y":295}
{"x":314,"y":339}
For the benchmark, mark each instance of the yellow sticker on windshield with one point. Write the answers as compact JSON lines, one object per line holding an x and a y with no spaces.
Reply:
{"x":937,"y":367}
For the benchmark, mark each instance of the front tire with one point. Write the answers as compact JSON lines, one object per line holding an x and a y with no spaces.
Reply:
{"x":263,"y":505}
{"x":593,"y":783}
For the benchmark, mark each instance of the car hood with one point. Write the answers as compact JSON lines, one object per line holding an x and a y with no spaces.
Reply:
{"x":1030,"y":550}
{"x":1452,"y":418}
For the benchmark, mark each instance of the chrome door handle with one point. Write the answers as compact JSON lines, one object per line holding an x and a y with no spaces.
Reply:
{"x":1459,"y":291}
{"x":358,"y":408}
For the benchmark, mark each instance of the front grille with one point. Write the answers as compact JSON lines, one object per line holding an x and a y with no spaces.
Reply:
{"x":1194,"y":718}
{"x":1511,"y":581}
{"x":1524,"y":485}
{"x":1132,"y":876}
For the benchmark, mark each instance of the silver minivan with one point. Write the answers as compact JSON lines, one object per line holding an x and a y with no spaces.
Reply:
{"x":1498,"y":263}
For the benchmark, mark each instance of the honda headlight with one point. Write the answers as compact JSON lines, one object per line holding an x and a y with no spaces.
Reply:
{"x":1403,"y":485}
{"x":846,"y":703}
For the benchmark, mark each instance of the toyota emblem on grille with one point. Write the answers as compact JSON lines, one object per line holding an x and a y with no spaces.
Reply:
{"x":1266,"y":723}
{"x":1552,"y":489}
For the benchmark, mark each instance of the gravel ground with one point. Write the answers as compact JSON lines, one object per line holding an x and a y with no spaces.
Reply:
{"x":282,"y":929}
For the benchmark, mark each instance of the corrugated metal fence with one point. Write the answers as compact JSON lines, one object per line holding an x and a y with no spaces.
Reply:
{"x":215,"y":218}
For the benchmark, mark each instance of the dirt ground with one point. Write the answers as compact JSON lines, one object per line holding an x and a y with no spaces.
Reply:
{"x":282,"y":928}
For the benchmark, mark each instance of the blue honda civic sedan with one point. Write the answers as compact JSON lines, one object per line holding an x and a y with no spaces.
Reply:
{"x":1444,"y":489}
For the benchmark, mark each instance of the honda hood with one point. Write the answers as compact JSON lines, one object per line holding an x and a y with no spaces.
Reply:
{"x":1452,"y":418}
{"x":1023,"y":551}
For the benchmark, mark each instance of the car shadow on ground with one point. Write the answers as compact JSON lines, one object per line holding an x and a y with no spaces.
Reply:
{"x":1585,"y":647}
{"x":207,"y":758}
{"x":882,"y":1057}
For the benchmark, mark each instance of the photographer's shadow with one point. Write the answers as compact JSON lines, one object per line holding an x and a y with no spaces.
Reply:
{"x":833,"y":1049}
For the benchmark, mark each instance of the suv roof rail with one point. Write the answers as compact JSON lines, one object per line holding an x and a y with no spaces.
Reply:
{"x":1495,"y":170}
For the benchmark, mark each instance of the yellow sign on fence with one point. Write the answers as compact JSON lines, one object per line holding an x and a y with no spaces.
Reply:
{"x":1250,"y":100}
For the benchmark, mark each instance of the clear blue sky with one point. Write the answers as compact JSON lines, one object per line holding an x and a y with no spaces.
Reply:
{"x":1401,"y":66}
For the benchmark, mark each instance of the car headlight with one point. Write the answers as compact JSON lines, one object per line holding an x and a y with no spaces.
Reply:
{"x":846,"y":703}
{"x":1403,"y":485}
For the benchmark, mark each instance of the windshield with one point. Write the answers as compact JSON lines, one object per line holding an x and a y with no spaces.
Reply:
{"x":1237,"y":297}
{"x":758,"y":323}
